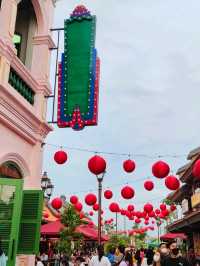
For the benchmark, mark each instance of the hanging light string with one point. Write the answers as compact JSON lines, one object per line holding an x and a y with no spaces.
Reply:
{"x":115,"y":153}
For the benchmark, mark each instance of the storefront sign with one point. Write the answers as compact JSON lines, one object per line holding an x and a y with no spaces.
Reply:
{"x":78,"y":75}
{"x":184,"y":205}
{"x":195,"y":199}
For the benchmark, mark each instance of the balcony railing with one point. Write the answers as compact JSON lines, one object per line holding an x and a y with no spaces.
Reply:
{"x":21,"y":86}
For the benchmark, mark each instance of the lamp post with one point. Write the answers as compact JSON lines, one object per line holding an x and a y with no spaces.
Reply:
{"x":100,"y":180}
{"x":46,"y":186}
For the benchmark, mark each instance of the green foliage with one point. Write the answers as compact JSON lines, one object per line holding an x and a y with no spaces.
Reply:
{"x":70,"y":219}
{"x":115,"y":241}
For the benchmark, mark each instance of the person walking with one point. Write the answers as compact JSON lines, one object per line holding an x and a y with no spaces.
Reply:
{"x":160,"y":255}
{"x":99,"y":259}
{"x":111,"y":255}
{"x":149,"y":255}
{"x":175,"y":258}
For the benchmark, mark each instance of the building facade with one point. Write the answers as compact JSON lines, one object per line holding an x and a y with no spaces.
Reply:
{"x":25,"y":50}
{"x":188,"y":198}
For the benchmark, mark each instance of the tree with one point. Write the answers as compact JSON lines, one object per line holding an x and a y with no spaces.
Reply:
{"x":71,"y":220}
{"x":117,"y":240}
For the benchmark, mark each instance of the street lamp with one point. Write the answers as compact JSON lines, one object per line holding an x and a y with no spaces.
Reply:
{"x":100,"y":180}
{"x":46,"y":186}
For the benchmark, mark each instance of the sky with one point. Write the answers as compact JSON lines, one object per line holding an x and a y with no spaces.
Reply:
{"x":149,"y":97}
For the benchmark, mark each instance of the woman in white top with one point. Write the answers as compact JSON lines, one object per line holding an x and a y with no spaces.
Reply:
{"x":100,"y":259}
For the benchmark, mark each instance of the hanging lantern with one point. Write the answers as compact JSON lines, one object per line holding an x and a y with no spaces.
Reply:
{"x":146,"y":222}
{"x":46,"y":215}
{"x":96,"y":207}
{"x":152,"y":214}
{"x":97,"y":165}
{"x":137,"y":221}
{"x":160,"y":169}
{"x":163,"y":206}
{"x":165,"y":213}
{"x":148,"y":207}
{"x":90,"y":199}
{"x":172,"y":182}
{"x":108,"y":194}
{"x":130,"y":208}
{"x":153,"y":222}
{"x":139,"y":214}
{"x":91,"y":213}
{"x":58,"y":215}
{"x":78,"y":206}
{"x":114,"y":207}
{"x":56,"y":203}
{"x":81,"y":215}
{"x":148,"y":185}
{"x":127,"y":192}
{"x":129,"y":166}
{"x":172,"y":207}
{"x":60,"y":157}
{"x":123,"y":212}
{"x":73,"y":199}
{"x":196,"y":169}
{"x":157,"y":211}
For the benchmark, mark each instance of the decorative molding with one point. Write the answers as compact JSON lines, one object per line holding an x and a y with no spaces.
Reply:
{"x":44,"y":39}
{"x":20,"y":118}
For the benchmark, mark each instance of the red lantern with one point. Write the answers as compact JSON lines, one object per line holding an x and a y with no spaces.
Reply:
{"x":148,"y":207}
{"x":160,"y":169}
{"x":137,"y":221}
{"x":56,"y":203}
{"x":97,"y":165}
{"x":148,"y":185}
{"x":91,"y":213}
{"x":114,"y":207}
{"x":196,"y":169}
{"x":81,"y":215}
{"x":73,"y":200}
{"x":96,"y":207}
{"x":139,"y":214}
{"x":152,"y":214}
{"x":78,"y":206}
{"x":165,"y":213}
{"x":127,"y":192}
{"x":46,"y":215}
{"x":123,"y":212}
{"x":130,"y":208}
{"x":146,"y":222}
{"x":90,"y":199}
{"x":173,"y":207}
{"x":129,"y":166}
{"x":153,"y":222}
{"x":172,"y":182}
{"x":108,"y":194}
{"x":157,"y":211}
{"x":60,"y":157}
{"x":163,"y":206}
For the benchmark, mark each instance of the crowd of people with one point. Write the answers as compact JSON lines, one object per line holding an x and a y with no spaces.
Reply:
{"x":167,"y":254}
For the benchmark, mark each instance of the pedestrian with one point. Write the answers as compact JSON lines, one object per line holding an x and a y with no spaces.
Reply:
{"x":161,"y":254}
{"x":44,"y":258}
{"x":3,"y":258}
{"x":111,"y":255}
{"x":175,"y":258}
{"x":127,"y":261}
{"x":38,"y":261}
{"x":149,"y":255}
{"x":139,"y":256}
{"x":121,"y":254}
{"x":100,"y":259}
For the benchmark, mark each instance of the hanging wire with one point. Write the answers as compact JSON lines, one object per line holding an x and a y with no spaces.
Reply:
{"x":117,"y":153}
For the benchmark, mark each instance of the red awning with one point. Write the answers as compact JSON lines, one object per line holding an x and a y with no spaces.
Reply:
{"x":54,"y":228}
{"x":169,"y":236}
{"x":51,"y":229}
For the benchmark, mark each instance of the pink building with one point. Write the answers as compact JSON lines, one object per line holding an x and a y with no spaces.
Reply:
{"x":25,"y":44}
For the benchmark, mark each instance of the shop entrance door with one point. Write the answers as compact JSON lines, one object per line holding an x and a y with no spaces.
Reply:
{"x":10,"y":212}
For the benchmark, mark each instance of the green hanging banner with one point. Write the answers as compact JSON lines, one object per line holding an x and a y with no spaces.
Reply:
{"x":78,"y":81}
